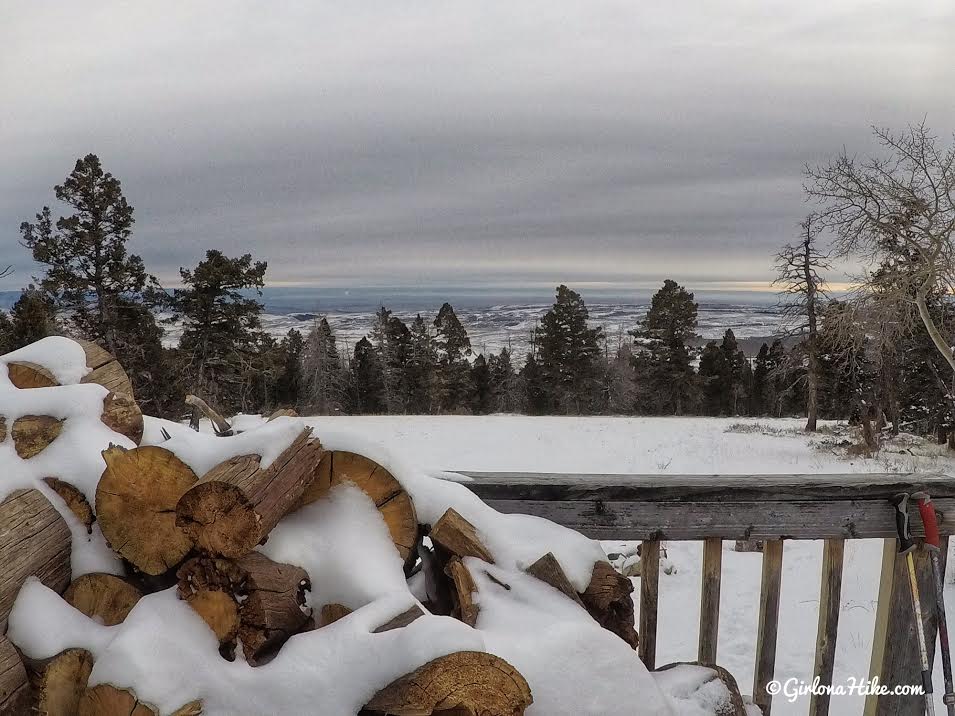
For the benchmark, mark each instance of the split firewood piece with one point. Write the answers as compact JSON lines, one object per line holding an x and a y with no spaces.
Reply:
{"x":466,"y":683}
{"x":548,"y":570}
{"x":105,"y":598}
{"x":24,"y":374}
{"x":60,"y":681}
{"x":136,"y":506}
{"x":270,"y":595}
{"x":464,"y":587}
{"x":331,"y":613}
{"x":220,"y":611}
{"x":32,"y":434}
{"x":608,"y":600}
{"x":393,"y":503}
{"x":236,"y":504}
{"x":402,"y":620}
{"x":121,"y":414}
{"x":108,"y":700}
{"x":34,"y":541}
{"x":458,"y":537}
{"x":105,"y":369}
{"x":222,"y":426}
{"x":16,"y":695}
{"x":74,"y":499}
{"x":282,"y":413}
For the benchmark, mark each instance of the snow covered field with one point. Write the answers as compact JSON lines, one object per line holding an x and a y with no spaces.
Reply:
{"x":690,"y":445}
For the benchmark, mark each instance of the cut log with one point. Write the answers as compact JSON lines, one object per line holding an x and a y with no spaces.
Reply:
{"x":135,"y":505}
{"x":75,"y":500}
{"x":270,"y":595}
{"x":236,"y":504}
{"x":108,"y":700}
{"x":458,"y":537}
{"x":59,"y":682}
{"x":548,"y":570}
{"x":34,"y":541}
{"x":105,"y":369}
{"x":24,"y":374}
{"x":220,"y":611}
{"x":104,"y":598}
{"x":463,"y":606}
{"x":393,"y":503}
{"x":466,"y":683}
{"x":608,"y":600}
{"x":16,"y":696}
{"x":32,"y":434}
{"x":331,"y":613}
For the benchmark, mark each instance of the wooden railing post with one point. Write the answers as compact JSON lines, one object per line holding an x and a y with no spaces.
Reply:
{"x":768,"y":623}
{"x":649,"y":599}
{"x":830,"y":596}
{"x":895,"y":656}
{"x":710,"y":600}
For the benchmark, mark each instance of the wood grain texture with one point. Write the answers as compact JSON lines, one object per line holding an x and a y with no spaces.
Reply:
{"x":15,"y":692}
{"x":34,"y":541}
{"x":649,"y":601}
{"x":830,"y":595}
{"x":710,"y":600}
{"x":768,"y":623}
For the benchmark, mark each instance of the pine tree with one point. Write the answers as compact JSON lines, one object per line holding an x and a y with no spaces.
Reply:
{"x":662,"y":359}
{"x":481,"y":389}
{"x":32,"y":318}
{"x":533,"y":389}
{"x":760,"y":400}
{"x":221,"y":326}
{"x":453,"y":371}
{"x":568,"y":354}
{"x":102,"y":289}
{"x":324,"y":382}
{"x":419,"y":371}
{"x":503,"y":383}
{"x":712,"y":374}
{"x":735,"y":374}
{"x":290,"y":383}
{"x":367,"y":386}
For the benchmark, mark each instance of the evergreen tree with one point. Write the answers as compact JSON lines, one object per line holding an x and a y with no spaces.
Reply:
{"x":735,"y":374}
{"x":90,"y":275}
{"x":367,"y":387}
{"x":221,"y":326}
{"x":503,"y":383}
{"x":481,"y":388}
{"x":419,"y":370}
{"x":324,"y":380}
{"x":453,"y":372}
{"x":533,"y":389}
{"x":712,"y":374}
{"x":290,"y":383}
{"x":661,"y":359}
{"x":568,"y":354}
{"x":32,"y":318}
{"x":760,"y":399}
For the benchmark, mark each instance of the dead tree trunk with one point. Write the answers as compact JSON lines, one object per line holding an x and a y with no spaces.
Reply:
{"x":236,"y":504}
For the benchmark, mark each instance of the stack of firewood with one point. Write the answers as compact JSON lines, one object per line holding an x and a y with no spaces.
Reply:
{"x":199,"y":533}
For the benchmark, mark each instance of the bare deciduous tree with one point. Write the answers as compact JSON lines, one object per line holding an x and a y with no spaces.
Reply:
{"x":895,"y":214}
{"x":802,"y":290}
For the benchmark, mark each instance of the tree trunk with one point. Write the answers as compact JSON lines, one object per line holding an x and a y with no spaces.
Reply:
{"x":940,"y":343}
{"x":135,"y":505}
{"x":34,"y":541}
{"x":466,"y":683}
{"x":236,"y":504}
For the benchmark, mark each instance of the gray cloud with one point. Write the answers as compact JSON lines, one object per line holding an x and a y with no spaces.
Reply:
{"x":386,"y":142}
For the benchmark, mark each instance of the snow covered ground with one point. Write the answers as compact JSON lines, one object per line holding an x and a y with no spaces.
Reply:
{"x":690,"y":445}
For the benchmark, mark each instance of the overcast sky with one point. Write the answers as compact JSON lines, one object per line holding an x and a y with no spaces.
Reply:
{"x":401,"y":143}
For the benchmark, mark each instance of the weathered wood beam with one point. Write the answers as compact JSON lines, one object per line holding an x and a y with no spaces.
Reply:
{"x":768,"y":623}
{"x":649,"y":600}
{"x":830,"y":594}
{"x":710,"y":600}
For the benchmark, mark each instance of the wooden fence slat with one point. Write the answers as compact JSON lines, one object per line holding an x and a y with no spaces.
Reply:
{"x":830,"y":596}
{"x":649,"y":599}
{"x":710,"y":599}
{"x":768,"y":623}
{"x":895,"y":656}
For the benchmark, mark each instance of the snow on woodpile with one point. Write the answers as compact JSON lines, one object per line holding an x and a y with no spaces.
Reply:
{"x":149,"y":569}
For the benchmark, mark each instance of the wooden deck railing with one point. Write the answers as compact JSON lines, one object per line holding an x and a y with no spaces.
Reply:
{"x":773,"y":508}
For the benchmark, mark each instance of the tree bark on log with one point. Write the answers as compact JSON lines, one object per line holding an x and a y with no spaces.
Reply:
{"x":59,"y":682}
{"x":270,"y":598}
{"x":34,"y":541}
{"x":608,"y":600}
{"x":135,"y":505}
{"x":236,"y":504}
{"x":393,"y":503}
{"x":75,"y":500}
{"x":105,"y":598}
{"x":16,"y":696}
{"x":466,"y":683}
